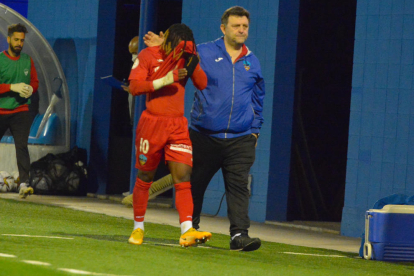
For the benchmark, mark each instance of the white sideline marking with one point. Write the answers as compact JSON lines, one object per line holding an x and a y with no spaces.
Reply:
{"x":69,"y":270}
{"x":7,"y":255}
{"x":75,"y":271}
{"x":35,"y":262}
{"x":33,"y":236}
{"x":82,"y":272}
{"x":316,"y":255}
{"x":175,"y":245}
{"x":164,"y":244}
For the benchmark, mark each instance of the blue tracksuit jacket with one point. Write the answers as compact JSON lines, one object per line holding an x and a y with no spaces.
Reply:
{"x":232,"y":104}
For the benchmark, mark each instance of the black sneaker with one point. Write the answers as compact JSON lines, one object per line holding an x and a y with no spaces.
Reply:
{"x":242,"y":242}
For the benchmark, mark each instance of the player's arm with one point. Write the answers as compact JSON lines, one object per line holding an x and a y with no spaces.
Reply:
{"x":34,"y":81}
{"x":4,"y":87}
{"x":138,"y":87}
{"x":199,"y":78}
{"x":138,"y":78}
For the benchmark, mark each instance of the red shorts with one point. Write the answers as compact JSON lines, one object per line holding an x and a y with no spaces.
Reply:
{"x":156,"y":135}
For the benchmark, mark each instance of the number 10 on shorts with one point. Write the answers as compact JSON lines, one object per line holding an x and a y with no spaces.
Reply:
{"x":143,"y":146}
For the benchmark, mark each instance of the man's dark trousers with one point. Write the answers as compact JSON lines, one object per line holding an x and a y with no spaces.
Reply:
{"x":19,"y":124}
{"x":234,"y":156}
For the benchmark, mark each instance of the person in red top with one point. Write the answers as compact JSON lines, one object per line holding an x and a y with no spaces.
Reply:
{"x":161,"y":73}
{"x":18,"y":80}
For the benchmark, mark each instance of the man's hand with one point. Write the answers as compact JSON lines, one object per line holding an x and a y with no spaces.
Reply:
{"x":151,"y":39}
{"x":257,"y":138}
{"x":24,"y":90}
{"x":126,"y":88}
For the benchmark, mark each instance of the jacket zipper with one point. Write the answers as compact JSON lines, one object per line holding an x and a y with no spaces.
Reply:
{"x":232,"y":103}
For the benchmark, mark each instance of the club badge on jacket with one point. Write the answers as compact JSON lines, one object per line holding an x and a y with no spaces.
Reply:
{"x":246,"y":65}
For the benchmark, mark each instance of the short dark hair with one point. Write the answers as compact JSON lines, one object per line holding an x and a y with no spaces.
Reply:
{"x":16,"y":28}
{"x":235,"y":11}
{"x":178,"y":32}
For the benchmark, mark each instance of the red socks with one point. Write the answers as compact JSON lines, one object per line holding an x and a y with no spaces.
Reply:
{"x":183,"y":201}
{"x":140,"y":199}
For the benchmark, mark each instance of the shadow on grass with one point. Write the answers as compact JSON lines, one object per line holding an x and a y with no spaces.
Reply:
{"x":124,"y":239}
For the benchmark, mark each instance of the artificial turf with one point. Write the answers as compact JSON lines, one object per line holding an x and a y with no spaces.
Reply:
{"x":63,"y":239}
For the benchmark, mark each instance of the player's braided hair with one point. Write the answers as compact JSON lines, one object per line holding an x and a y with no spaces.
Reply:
{"x":177,"y":33}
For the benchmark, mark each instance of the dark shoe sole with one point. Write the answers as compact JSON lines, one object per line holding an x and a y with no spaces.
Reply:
{"x":254,"y":245}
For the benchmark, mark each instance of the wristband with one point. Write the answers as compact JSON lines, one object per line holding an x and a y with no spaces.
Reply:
{"x":164,"y":81}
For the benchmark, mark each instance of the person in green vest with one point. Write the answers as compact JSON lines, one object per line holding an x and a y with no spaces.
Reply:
{"x":18,"y":81}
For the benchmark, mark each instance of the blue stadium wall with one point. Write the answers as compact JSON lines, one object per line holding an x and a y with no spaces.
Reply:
{"x":18,"y":5}
{"x":381,"y":136}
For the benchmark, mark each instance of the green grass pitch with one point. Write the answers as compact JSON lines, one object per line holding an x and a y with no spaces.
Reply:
{"x":44,"y":240}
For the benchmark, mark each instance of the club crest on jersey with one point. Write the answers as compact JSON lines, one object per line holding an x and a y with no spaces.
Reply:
{"x":246,"y":65}
{"x":142,"y":159}
{"x":136,"y":63}
{"x":26,"y":72}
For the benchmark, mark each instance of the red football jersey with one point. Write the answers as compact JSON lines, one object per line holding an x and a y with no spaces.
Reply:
{"x":169,"y":100}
